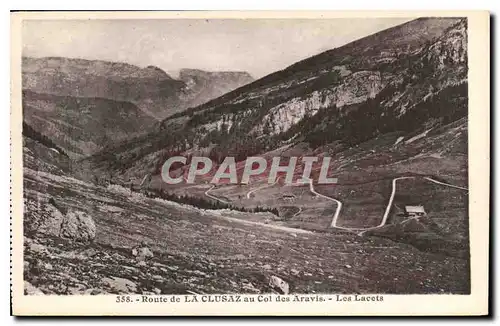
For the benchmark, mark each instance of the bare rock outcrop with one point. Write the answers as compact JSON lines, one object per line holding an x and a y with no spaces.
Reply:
{"x":277,"y":283}
{"x":142,"y":252}
{"x":42,"y":218}
{"x":47,"y":219}
{"x":78,"y":226}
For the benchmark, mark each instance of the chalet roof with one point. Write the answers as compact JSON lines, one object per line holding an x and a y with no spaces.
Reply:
{"x":415,"y":209}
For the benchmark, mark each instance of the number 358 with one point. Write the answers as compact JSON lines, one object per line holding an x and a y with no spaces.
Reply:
{"x":123,"y":298}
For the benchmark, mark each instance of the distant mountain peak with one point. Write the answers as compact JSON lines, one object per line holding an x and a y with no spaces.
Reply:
{"x":405,"y":79}
{"x":202,"y":86}
{"x":193,"y":72}
{"x":150,"y":88}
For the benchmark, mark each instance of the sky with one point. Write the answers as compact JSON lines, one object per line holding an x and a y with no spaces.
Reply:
{"x":257,"y":46}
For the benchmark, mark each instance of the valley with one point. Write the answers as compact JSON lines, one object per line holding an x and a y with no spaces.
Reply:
{"x":390,"y":110}
{"x":214,"y":251}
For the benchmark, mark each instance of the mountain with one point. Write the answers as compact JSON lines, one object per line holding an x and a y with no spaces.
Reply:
{"x":407,"y":79}
{"x":390,"y":105}
{"x":151,"y":89}
{"x":202,"y":86}
{"x":81,"y":125}
{"x":389,"y":109}
{"x":40,"y":153}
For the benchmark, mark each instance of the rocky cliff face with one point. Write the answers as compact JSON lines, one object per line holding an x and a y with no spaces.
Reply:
{"x":403,"y":79}
{"x":418,"y":73}
{"x":86,"y":105}
{"x":356,"y":88}
{"x":202,"y":86}
{"x":390,"y":105}
{"x":150,"y":88}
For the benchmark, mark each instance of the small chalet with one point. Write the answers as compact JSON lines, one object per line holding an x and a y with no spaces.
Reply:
{"x":414,"y":211}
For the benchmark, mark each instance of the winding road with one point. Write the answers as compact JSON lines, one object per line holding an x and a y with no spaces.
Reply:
{"x":247,"y":195}
{"x":339,"y":207}
{"x":445,"y":184}
{"x":262,"y":187}
{"x":391,"y":199}
{"x":296,"y":214}
{"x":336,"y":215}
{"x":277,"y":227}
{"x":339,"y":203}
{"x":387,"y":210}
{"x":213,"y":197}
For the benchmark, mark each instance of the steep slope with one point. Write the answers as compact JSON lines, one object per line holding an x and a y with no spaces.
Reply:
{"x":82,"y":125}
{"x":150,"y":88}
{"x":204,"y":251}
{"x":405,"y":79}
{"x":202,"y":86}
{"x":390,"y":105}
{"x":40,"y":153}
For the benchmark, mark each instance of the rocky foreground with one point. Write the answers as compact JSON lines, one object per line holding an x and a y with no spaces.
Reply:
{"x":85,"y":239}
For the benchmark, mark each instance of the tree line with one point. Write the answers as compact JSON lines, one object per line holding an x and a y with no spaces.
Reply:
{"x":29,"y":132}
{"x":204,"y":203}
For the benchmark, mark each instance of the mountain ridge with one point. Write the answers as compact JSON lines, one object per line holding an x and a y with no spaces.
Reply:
{"x":150,"y":88}
{"x":82,"y":125}
{"x":355,"y":103}
{"x":389,"y":111}
{"x":290,"y":70}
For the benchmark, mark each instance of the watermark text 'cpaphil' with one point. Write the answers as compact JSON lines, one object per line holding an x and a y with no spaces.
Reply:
{"x":179,"y":169}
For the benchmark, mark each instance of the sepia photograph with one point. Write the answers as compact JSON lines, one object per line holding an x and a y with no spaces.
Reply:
{"x":307,"y":160}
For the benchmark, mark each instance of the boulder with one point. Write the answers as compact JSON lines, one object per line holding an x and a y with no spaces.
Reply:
{"x":48,"y":219}
{"x":37,"y":248}
{"x":78,"y":226}
{"x":142,"y":252}
{"x":267,"y":266}
{"x":42,"y":218}
{"x":94,"y":291}
{"x":120,"y":285}
{"x":277,"y":283}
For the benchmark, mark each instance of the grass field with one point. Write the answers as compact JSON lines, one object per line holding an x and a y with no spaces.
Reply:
{"x":225,"y":251}
{"x":197,"y":250}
